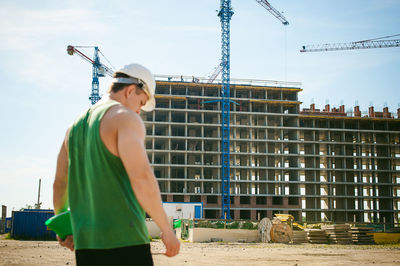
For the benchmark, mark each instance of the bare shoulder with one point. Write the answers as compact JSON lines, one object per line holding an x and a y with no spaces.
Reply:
{"x":66,"y":137}
{"x":120,"y":117}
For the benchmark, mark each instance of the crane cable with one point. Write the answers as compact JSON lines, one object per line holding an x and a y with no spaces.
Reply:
{"x":90,"y":46}
{"x":107,"y":59}
{"x":285,"y":54}
{"x":379,"y":38}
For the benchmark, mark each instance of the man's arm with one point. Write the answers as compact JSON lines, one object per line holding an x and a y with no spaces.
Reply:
{"x":60,"y":189}
{"x":131,"y":135}
{"x":60,"y":185}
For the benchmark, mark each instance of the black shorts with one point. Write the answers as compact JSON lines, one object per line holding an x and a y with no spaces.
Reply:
{"x":131,"y":255}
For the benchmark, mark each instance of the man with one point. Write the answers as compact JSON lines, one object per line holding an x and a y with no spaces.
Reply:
{"x":104,"y":175}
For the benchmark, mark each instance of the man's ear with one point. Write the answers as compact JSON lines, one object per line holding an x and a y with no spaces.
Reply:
{"x":129,"y":90}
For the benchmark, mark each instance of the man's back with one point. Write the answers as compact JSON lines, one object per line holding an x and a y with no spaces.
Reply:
{"x":105,"y":212}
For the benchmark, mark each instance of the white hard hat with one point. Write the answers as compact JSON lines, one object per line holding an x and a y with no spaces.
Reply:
{"x":140,"y":74}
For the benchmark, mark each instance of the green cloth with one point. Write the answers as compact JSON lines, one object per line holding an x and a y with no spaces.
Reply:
{"x":177,"y":224}
{"x":104,"y":210}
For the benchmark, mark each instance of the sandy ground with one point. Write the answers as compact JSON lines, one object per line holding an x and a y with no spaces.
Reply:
{"x":13,"y":252}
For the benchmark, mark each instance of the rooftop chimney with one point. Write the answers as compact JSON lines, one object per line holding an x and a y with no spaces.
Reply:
{"x":327,"y":108}
{"x":312,"y":107}
{"x":398,"y":113}
{"x":341,"y":108}
{"x":371,"y":112}
{"x":357,"y":111}
{"x":386,"y":112}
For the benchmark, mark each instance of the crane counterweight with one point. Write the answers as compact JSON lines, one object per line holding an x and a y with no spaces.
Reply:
{"x":70,"y":50}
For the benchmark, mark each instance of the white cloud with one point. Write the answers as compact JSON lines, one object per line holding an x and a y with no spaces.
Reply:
{"x":25,"y":29}
{"x":33,"y":45}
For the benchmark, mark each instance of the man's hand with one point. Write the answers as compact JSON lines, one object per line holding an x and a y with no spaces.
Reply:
{"x":171,"y":243}
{"x":68,"y":242}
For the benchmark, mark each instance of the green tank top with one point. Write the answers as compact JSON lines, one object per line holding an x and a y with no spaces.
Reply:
{"x":104,"y":210}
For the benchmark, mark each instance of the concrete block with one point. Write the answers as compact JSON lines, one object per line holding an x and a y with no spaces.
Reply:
{"x":227,"y":235}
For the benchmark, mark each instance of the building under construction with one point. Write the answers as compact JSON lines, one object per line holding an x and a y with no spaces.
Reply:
{"x":328,"y":165}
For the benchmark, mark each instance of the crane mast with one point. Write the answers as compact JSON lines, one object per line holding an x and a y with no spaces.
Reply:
{"x":94,"y":96}
{"x":225,"y":15}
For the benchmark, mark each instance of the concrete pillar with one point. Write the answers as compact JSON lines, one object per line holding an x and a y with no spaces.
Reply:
{"x":237,"y":200}
{"x":170,"y":198}
{"x":236,"y":214}
{"x":285,"y":202}
{"x":204,"y":199}
{"x":253,"y":215}
{"x":253,"y":202}
{"x":186,"y":198}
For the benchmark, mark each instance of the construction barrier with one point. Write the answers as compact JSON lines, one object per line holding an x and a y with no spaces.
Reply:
{"x":386,"y":238}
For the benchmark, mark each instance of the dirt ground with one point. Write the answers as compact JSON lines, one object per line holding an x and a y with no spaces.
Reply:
{"x":14,"y":252}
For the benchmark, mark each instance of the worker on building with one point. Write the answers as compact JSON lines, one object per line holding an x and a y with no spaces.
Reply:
{"x":104,"y":176}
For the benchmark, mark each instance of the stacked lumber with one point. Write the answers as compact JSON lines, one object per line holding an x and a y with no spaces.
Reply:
{"x":316,"y":236}
{"x":299,"y":237}
{"x":362,"y":236}
{"x":338,"y":234}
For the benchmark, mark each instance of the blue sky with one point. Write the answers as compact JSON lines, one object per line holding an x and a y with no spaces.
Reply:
{"x":44,"y":88}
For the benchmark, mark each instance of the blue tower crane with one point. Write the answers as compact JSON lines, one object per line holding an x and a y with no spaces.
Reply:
{"x":99,"y":69}
{"x":225,"y":15}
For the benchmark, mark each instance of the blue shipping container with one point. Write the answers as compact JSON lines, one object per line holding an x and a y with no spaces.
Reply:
{"x":29,"y":224}
{"x":37,"y":210}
